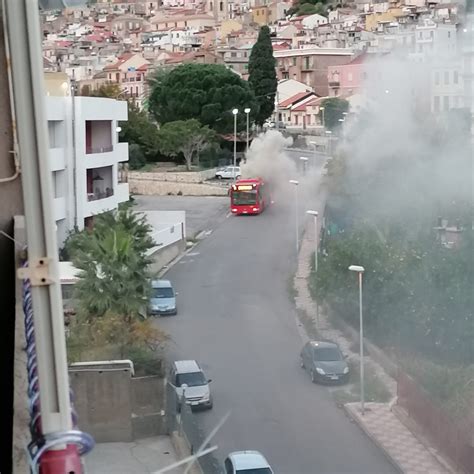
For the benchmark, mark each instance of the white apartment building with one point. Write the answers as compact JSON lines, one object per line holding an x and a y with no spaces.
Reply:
{"x":87,"y":161}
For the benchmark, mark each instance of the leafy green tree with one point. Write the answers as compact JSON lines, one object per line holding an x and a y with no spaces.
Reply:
{"x":110,"y":90}
{"x":140,"y":130}
{"x":206,"y":92}
{"x":136,"y":157}
{"x":334,"y":109}
{"x":262,"y":74}
{"x":312,"y":8}
{"x":188,"y":137}
{"x":114,"y":265}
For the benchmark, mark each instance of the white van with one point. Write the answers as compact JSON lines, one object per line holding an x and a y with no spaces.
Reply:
{"x":189,"y":382}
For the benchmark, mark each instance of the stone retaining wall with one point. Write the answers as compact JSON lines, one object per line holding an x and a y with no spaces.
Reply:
{"x":145,"y":186}
{"x":173,"y":176}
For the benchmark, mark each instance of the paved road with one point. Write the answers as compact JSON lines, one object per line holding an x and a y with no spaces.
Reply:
{"x":202,"y":213}
{"x":236,"y":319}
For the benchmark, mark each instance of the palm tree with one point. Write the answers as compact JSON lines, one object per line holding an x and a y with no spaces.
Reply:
{"x":114,"y":265}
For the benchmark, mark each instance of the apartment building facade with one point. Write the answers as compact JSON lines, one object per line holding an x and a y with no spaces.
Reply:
{"x":87,"y":161}
{"x":310,"y":65}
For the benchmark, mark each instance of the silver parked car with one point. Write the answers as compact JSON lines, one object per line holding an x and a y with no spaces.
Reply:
{"x":229,"y":172}
{"x":162,"y":299}
{"x":190,"y":384}
{"x":325,"y":362}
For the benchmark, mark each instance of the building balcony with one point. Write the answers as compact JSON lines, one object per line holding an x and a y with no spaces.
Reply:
{"x":57,"y":160}
{"x":98,"y":149}
{"x":334,"y":83}
{"x":59,"y":208}
{"x":118,"y":153}
{"x":100,"y":205}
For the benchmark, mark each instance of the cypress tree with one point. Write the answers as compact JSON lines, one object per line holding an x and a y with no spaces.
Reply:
{"x":262,"y":74}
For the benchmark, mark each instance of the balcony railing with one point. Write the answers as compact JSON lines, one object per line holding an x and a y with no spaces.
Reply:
{"x":100,"y":195}
{"x":98,"y":149}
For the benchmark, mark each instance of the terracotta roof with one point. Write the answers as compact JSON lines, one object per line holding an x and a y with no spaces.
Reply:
{"x":295,"y":98}
{"x":302,"y":107}
{"x":121,"y":59}
{"x":94,"y":37}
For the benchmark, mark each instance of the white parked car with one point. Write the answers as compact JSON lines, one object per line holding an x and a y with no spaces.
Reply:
{"x":229,"y":172}
{"x":246,"y":462}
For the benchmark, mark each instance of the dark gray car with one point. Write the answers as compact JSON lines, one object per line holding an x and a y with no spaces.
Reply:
{"x":325,"y":362}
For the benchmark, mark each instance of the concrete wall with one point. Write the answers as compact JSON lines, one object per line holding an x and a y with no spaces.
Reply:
{"x":163,"y":188}
{"x":164,"y":256}
{"x":148,"y":407}
{"x":103,"y":402}
{"x":115,"y":407}
{"x":177,"y":177}
{"x":11,"y":204}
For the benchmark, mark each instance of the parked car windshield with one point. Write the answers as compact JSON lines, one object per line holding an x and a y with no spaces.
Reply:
{"x":162,"y":293}
{"x":192,"y":379}
{"x":327,"y":354}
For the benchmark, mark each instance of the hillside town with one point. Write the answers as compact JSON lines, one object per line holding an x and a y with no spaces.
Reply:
{"x":318,"y":55}
{"x":236,"y":236}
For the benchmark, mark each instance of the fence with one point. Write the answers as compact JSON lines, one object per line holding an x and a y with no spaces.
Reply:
{"x":181,"y":419}
{"x":167,"y":236}
{"x":452,"y":440}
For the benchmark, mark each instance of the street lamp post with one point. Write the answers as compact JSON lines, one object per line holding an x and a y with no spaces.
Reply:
{"x":360,"y":270}
{"x":235,"y":112}
{"x":329,"y":135}
{"x":296,"y":183}
{"x":322,"y":110}
{"x":315,"y":215}
{"x":247,"y":112}
{"x":315,"y":151}
{"x":304,"y":159}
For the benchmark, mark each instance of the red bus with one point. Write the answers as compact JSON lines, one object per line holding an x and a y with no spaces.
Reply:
{"x":249,"y":196}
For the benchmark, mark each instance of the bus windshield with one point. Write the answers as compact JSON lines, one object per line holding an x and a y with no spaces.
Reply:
{"x":242,"y":198}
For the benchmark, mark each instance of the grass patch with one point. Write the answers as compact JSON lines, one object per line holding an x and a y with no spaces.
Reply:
{"x":375,"y":390}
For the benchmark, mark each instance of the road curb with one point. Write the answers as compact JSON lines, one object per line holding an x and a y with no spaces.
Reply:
{"x":173,"y":262}
{"x":353,"y":415}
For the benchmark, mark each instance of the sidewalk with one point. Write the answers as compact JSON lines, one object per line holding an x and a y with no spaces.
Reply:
{"x":143,"y":456}
{"x":380,"y":423}
{"x":384,"y":428}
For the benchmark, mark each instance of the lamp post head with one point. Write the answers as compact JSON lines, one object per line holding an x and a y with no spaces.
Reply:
{"x":341,"y":120}
{"x":303,"y":158}
{"x":294,"y":181}
{"x":235,"y":111}
{"x":328,"y":132}
{"x":247,"y":110}
{"x":357,"y":268}
{"x":312,"y":213}
{"x":321,"y":108}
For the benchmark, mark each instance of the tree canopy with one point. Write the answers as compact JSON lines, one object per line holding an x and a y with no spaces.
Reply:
{"x":188,"y":137}
{"x":113,"y":262}
{"x":262,"y":74}
{"x":334,"y":109}
{"x":141,"y":131}
{"x":206,"y":92}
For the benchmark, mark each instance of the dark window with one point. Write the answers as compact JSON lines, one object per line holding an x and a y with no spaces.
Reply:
{"x":192,"y":379}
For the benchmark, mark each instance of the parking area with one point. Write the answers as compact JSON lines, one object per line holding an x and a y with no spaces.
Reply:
{"x":202,"y":212}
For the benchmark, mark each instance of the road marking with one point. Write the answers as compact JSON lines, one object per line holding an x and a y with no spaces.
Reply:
{"x":193,"y":254}
{"x":228,"y":215}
